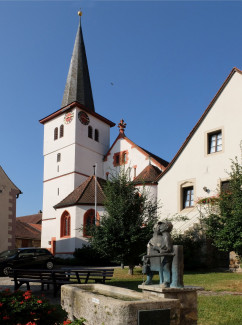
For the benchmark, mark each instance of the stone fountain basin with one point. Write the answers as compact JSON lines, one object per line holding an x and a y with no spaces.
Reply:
{"x":102,"y":304}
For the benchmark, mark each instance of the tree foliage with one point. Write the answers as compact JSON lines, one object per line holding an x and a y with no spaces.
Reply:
{"x":127,"y":224}
{"x":224,"y":222}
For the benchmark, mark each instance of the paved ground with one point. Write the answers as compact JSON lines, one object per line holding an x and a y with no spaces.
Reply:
{"x":6,"y":283}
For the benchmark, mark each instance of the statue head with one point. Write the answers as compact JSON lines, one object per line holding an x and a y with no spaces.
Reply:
{"x":164,"y":226}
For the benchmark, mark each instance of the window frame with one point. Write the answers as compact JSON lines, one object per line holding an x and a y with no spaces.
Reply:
{"x":90,"y":213}
{"x":218,"y":136}
{"x":120,"y":158}
{"x":96,"y":135}
{"x":187,"y":196}
{"x":65,"y":225}
{"x":207,"y":141}
{"x":56,"y":133}
{"x":90,"y":132}
{"x":62,"y":131}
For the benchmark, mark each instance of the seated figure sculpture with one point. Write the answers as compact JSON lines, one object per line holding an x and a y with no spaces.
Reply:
{"x":159,"y":254}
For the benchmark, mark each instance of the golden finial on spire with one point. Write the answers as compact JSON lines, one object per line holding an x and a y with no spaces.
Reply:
{"x":79,"y":13}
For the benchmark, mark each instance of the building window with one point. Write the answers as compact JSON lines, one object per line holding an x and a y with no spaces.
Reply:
{"x":89,"y":131}
{"x":62,"y":131}
{"x":65,"y":225}
{"x":120,"y":158}
{"x":58,"y":191}
{"x":225,"y":186}
{"x":55,"y":133}
{"x":215,"y":142}
{"x":89,"y":221}
{"x":135,"y":168}
{"x":188,"y":197}
{"x":58,"y":157}
{"x":96,"y":135}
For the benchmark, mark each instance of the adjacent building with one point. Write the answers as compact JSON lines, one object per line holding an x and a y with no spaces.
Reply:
{"x":9,"y":193}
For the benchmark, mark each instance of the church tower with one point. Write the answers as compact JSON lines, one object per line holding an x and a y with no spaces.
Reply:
{"x":75,"y":139}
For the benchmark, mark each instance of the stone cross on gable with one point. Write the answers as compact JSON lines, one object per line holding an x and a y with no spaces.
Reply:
{"x":122,"y":126}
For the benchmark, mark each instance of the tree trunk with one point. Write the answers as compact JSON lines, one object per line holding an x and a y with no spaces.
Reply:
{"x":122,"y":266}
{"x":131,"y":269}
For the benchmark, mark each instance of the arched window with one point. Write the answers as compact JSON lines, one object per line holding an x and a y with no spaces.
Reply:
{"x":90,"y":131}
{"x":55,"y":133}
{"x":61,"y":131}
{"x":65,"y":226}
{"x":88,"y":221}
{"x":58,"y":157}
{"x":96,"y":135}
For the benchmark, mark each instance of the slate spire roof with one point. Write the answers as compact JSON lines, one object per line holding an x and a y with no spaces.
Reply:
{"x":78,"y":85}
{"x":84,"y":194}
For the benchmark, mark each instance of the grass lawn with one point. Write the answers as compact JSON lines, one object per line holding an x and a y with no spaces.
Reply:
{"x":212,"y":310}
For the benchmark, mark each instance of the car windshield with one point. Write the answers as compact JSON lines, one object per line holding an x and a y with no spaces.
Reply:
{"x":9,"y":253}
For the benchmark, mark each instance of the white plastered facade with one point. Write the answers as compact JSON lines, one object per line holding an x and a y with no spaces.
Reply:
{"x":78,"y":155}
{"x":195,"y":166}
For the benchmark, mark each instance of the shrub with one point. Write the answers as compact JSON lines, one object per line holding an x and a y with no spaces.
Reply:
{"x":24,"y":308}
{"x":87,"y":256}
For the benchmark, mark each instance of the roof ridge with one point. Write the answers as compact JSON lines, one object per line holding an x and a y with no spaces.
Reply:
{"x":194,"y":129}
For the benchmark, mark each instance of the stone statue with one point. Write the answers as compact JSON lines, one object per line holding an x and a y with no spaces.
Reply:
{"x":159,"y":254}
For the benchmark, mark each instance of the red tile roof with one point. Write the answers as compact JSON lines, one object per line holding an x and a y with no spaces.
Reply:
{"x":148,"y":175}
{"x":33,"y":218}
{"x":26,"y":231}
{"x":85,"y":194}
{"x":200,"y":121}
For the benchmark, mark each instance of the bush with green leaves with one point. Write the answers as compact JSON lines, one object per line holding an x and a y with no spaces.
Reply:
{"x":223,"y":220}
{"x":24,"y":308}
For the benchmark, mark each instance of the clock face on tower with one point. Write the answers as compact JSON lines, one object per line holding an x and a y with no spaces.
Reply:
{"x":83,"y":117}
{"x":68,"y":117}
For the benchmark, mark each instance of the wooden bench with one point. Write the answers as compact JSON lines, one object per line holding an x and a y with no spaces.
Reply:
{"x":59,"y":277}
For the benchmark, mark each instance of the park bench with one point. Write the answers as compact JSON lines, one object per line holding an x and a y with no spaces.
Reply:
{"x":56,"y":278}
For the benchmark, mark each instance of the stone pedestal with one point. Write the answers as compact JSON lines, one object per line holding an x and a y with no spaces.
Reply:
{"x":186,"y":295}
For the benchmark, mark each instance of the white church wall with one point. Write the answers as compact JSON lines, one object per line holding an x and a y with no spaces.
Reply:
{"x":195,"y":167}
{"x":51,"y":145}
{"x":136,"y":160}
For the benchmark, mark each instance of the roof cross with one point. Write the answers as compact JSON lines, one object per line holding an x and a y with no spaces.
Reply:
{"x":122,"y":126}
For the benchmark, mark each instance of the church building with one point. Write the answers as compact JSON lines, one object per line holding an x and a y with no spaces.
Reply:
{"x":78,"y":159}
{"x":77,"y":143}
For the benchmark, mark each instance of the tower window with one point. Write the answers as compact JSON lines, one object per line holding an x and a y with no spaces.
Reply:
{"x":65,"y":226}
{"x":61,"y":131}
{"x":89,"y":131}
{"x":58,"y":157}
{"x":55,"y":133}
{"x":96,"y":135}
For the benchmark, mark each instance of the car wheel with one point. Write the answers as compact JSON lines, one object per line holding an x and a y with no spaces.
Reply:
{"x":7,"y":270}
{"x":49,"y":265}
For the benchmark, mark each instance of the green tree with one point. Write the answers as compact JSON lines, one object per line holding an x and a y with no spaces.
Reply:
{"x":127,"y":225}
{"x":224,"y":221}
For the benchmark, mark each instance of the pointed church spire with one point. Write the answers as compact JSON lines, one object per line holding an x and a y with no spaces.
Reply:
{"x":78,"y":85}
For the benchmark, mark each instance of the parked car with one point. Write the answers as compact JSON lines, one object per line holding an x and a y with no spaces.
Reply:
{"x":30,"y":257}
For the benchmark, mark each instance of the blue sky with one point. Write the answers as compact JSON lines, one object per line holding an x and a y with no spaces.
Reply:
{"x":165,"y":59}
